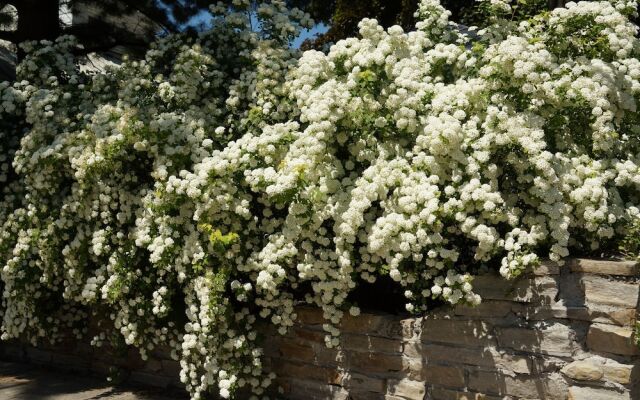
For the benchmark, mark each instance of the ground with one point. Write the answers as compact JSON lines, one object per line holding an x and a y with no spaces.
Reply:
{"x":28,"y":382}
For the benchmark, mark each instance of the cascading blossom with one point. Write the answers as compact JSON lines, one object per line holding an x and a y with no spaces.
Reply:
{"x":180,"y":199}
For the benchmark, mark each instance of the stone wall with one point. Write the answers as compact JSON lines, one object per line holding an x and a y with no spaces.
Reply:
{"x":560,"y":333}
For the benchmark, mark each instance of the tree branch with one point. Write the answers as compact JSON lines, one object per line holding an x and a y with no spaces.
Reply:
{"x":97,"y":38}
{"x":102,"y":47}
{"x":153,"y":14}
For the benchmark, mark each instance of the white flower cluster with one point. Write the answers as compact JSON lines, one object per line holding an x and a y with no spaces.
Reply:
{"x":182,"y":198}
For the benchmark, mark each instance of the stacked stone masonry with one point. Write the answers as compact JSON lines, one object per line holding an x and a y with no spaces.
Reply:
{"x":558,"y":333}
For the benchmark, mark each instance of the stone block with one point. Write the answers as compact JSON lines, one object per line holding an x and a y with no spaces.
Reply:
{"x":617,"y":372}
{"x":543,"y":363}
{"x":307,"y":335}
{"x":294,"y":351}
{"x":329,"y":356}
{"x":153,"y":365}
{"x":271,"y":344}
{"x":553,"y":385}
{"x":444,"y":376}
{"x":611,"y":339}
{"x":549,"y":386}
{"x":370,"y":324}
{"x":302,"y":389}
{"x":486,"y":309}
{"x":510,"y":362}
{"x":438,"y":393}
{"x":310,"y":316}
{"x":171,"y":368}
{"x":414,"y":367}
{"x":131,"y":360}
{"x":600,"y":291}
{"x":622,"y":317}
{"x":410,"y":328}
{"x":392,"y":327}
{"x":358,"y":395}
{"x":315,"y":373}
{"x":604,"y":267}
{"x":363,"y":383}
{"x":463,"y":332}
{"x":413,"y":349}
{"x":546,"y":267}
{"x":583,"y":371}
{"x":149,"y":379}
{"x":161,"y":353}
{"x":589,"y":393}
{"x":368,"y":343}
{"x":608,"y":315}
{"x":406,"y":389}
{"x":374,"y":362}
{"x":555,"y":339}
{"x":494,"y":383}
{"x":597,"y":368}
{"x":541,"y":289}
{"x":487,"y":358}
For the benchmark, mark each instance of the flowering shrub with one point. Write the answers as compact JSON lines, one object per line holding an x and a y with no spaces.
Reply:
{"x":180,"y":199}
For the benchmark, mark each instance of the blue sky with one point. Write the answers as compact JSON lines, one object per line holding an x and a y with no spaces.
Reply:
{"x":308,"y":33}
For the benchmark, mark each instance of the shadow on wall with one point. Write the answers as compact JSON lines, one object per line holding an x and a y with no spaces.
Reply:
{"x":562,"y":332}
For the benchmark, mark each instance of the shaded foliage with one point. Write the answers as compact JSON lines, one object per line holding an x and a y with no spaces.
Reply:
{"x":343,"y":16}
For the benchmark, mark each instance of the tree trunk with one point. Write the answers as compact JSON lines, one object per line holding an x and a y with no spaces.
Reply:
{"x":37,"y":20}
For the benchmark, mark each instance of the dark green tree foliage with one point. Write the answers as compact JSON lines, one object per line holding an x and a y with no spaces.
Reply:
{"x":102,"y":24}
{"x":476,"y":14}
{"x":112,"y":22}
{"x":133,"y":23}
{"x":33,"y":19}
{"x":343,"y":16}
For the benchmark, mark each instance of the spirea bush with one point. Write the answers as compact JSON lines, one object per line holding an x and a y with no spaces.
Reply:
{"x":181,"y":199}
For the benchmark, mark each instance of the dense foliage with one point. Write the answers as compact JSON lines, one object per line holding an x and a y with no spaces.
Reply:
{"x":185,"y":197}
{"x":343,"y":16}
